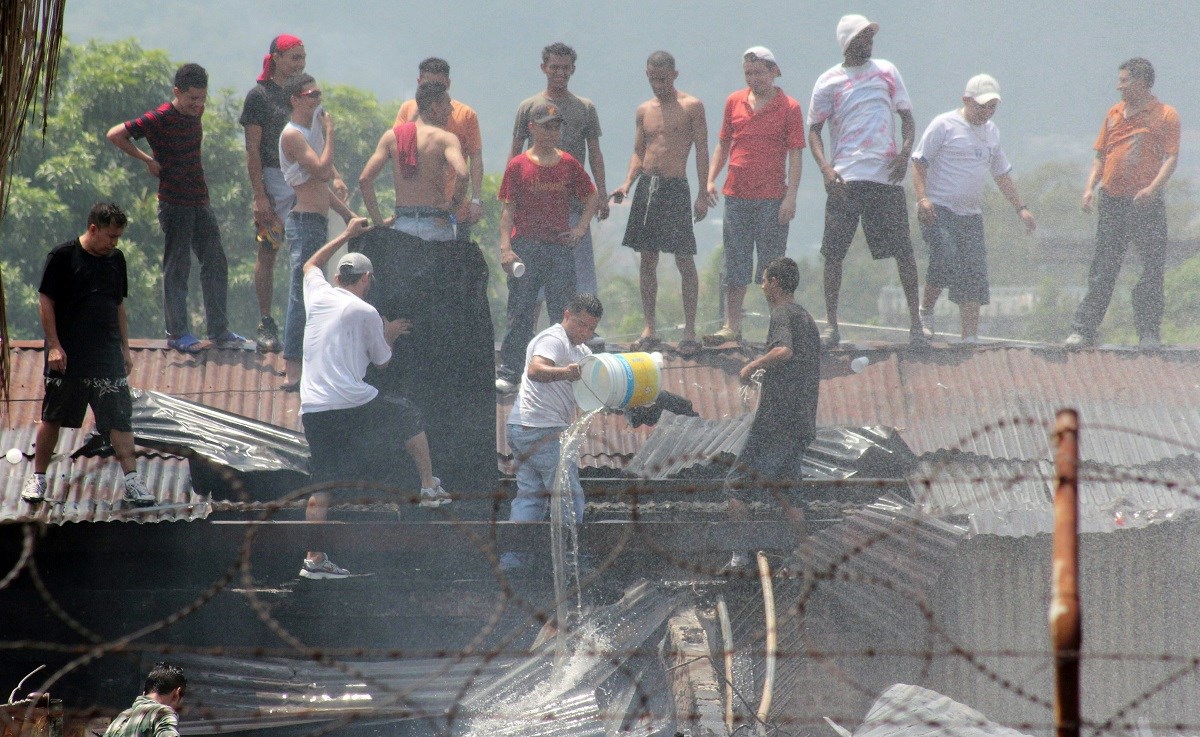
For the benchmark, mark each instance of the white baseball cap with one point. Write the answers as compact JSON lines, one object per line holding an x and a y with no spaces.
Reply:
{"x":760,"y":53}
{"x":852,"y":25}
{"x":982,"y":88}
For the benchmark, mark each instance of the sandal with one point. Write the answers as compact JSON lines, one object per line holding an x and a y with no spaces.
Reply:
{"x":688,"y":348}
{"x":723,"y":336}
{"x":645,"y":344}
{"x":186,"y":343}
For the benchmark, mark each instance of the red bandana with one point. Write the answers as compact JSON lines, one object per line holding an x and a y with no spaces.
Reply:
{"x":280,"y":44}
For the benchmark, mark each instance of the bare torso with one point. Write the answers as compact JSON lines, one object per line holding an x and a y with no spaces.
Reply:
{"x":668,"y":131}
{"x":428,"y":187}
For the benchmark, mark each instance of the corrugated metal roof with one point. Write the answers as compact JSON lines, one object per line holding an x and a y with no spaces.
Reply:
{"x":1014,"y":498}
{"x":1136,"y":408}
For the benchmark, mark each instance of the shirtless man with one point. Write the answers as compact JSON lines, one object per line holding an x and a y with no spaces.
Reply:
{"x":420,"y":152}
{"x":306,"y":159}
{"x":661,"y":216}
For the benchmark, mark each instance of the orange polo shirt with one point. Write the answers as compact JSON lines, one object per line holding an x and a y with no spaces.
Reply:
{"x":1133,"y":149}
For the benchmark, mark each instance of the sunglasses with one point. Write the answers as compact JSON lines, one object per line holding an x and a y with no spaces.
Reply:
{"x":314,"y":94}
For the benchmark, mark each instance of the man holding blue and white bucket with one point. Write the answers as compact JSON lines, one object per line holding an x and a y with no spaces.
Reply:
{"x":545,"y":406}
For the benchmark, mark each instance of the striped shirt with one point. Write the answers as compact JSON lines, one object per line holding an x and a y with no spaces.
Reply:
{"x":175,"y":140}
{"x":146,"y":718}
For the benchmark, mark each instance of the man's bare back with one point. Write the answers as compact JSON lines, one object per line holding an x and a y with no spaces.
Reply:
{"x":427,"y":188}
{"x":668,"y":130}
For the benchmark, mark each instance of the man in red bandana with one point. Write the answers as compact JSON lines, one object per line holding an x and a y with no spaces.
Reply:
{"x":264,"y":115}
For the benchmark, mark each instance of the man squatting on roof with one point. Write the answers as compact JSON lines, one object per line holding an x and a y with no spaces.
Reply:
{"x":342,"y":336}
{"x":153,"y":714}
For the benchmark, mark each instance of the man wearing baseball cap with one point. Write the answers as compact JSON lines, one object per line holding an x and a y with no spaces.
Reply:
{"x":951,"y":165}
{"x":761,"y":137}
{"x":538,"y":189}
{"x":860,"y":98}
{"x":351,"y":428}
{"x":1136,"y":153}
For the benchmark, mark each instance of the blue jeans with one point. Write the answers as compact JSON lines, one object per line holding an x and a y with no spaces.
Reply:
{"x":187,"y":229}
{"x":957,"y":258}
{"x":306,"y":232}
{"x":585,"y":259}
{"x":426,"y":223}
{"x":546,"y":265}
{"x":751,"y":223}
{"x":536,"y":451}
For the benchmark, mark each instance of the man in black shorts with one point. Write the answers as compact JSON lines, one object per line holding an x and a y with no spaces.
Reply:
{"x":352,"y":430}
{"x":860,"y":99}
{"x":668,"y":125}
{"x":786,"y":419}
{"x":82,"y":309}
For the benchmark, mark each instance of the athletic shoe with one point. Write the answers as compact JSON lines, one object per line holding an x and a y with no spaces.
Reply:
{"x":830,"y":337}
{"x":928,"y":323}
{"x":325,"y":569}
{"x":917,"y":337}
{"x":738,"y":562}
{"x":35,"y":488}
{"x":137,"y":494}
{"x":268,"y":336}
{"x":722,"y":336}
{"x":505,"y":386}
{"x":229,"y":340}
{"x":1078,"y":340}
{"x":435,"y":497}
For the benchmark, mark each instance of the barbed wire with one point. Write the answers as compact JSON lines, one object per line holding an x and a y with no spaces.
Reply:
{"x":868,"y":594}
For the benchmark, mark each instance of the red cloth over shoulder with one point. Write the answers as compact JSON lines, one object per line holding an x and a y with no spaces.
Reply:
{"x":406,"y":149}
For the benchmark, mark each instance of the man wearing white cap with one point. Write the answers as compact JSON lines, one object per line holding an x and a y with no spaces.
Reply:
{"x":351,"y":428}
{"x":860,"y":98}
{"x":761,"y":137}
{"x":951,"y":164}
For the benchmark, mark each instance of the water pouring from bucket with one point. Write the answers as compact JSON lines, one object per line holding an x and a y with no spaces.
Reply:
{"x":618,"y":380}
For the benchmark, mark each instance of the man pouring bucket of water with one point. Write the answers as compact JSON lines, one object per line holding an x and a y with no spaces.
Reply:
{"x":544,"y":408}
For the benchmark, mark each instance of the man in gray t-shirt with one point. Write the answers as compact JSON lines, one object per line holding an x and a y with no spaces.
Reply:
{"x":580,"y":138}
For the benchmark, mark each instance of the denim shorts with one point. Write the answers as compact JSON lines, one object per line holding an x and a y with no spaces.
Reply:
{"x":957,"y":258}
{"x":751,"y":224}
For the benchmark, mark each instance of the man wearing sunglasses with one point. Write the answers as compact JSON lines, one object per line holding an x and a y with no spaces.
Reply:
{"x":306,"y":158}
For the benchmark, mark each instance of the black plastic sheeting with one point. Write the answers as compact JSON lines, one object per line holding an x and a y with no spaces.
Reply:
{"x":694,"y":447}
{"x":189,"y":429}
{"x":446,"y":364}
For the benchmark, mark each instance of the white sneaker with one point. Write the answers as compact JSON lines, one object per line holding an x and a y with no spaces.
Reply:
{"x":137,"y":494}
{"x":738,"y":562}
{"x":928,"y":322}
{"x":504,"y":386}
{"x":435,"y":497}
{"x":35,"y":488}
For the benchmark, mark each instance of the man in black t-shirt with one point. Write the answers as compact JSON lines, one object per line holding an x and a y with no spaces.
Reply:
{"x":264,"y":115}
{"x":82,"y":309}
{"x":786,"y":420}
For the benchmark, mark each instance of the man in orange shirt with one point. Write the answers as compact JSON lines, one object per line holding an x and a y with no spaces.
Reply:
{"x":1136,"y":153}
{"x":465,"y":124}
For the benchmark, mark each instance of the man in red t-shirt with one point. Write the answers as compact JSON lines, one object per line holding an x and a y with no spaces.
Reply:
{"x":1136,"y":154}
{"x":762,"y":135}
{"x":538,"y":188}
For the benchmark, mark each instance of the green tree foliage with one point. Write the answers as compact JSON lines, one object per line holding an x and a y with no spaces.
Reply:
{"x":57,"y":180}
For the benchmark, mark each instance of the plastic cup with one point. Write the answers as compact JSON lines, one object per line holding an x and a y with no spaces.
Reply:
{"x":858,"y":364}
{"x":515,"y":269}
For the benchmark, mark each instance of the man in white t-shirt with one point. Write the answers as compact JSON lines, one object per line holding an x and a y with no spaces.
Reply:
{"x":958,"y":152}
{"x":351,"y":428}
{"x":860,"y":98}
{"x":545,"y":406}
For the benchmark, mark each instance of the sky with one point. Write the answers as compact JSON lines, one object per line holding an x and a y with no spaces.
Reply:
{"x":1056,"y":62}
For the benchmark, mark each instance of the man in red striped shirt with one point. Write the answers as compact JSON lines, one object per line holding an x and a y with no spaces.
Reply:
{"x":174,"y":133}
